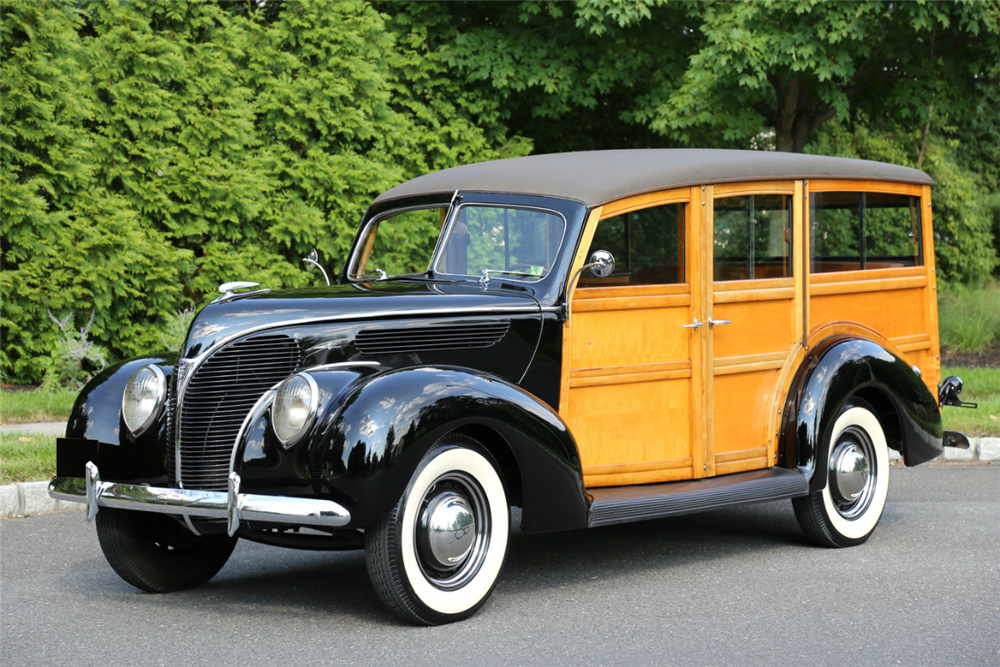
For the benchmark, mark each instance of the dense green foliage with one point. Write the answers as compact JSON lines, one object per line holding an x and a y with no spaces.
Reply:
{"x":151,"y":150}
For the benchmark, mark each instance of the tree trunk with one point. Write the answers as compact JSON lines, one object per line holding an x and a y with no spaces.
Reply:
{"x":795,"y":122}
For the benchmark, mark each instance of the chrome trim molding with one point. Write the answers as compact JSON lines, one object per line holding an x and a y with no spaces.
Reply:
{"x":193,"y":363}
{"x":338,"y":365}
{"x":258,"y":410}
{"x":233,"y":506}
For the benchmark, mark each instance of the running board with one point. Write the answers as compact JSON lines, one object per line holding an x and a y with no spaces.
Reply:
{"x":622,"y":504}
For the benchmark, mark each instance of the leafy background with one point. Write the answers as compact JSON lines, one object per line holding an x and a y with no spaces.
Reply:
{"x":153,"y":150}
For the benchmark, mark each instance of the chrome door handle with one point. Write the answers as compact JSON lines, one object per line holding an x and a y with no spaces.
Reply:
{"x":712,"y":323}
{"x":694,"y":325}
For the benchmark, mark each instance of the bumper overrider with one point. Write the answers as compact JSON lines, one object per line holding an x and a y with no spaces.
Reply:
{"x":232,"y":506}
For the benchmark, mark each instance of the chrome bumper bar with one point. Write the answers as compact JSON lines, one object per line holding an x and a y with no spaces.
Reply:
{"x":232,"y":506}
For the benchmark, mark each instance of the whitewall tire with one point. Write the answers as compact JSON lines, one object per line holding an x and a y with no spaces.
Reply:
{"x":436,"y":556}
{"x":850,"y":505}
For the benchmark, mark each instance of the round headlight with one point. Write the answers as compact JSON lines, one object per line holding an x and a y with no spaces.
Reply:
{"x":294,"y":407}
{"x":144,"y":396}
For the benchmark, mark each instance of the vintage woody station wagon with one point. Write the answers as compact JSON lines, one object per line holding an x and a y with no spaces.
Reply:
{"x":595,"y":338}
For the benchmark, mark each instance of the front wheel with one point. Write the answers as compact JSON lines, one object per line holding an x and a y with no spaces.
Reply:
{"x":435,"y":557}
{"x":156,"y":553}
{"x":848,"y":508}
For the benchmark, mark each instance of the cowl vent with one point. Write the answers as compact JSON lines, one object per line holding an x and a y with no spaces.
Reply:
{"x":425,"y":339}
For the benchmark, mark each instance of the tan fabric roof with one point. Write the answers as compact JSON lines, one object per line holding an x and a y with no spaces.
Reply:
{"x":597,"y":177}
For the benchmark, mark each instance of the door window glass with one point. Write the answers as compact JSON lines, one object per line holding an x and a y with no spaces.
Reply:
{"x":753,"y":237}
{"x":648,"y":246}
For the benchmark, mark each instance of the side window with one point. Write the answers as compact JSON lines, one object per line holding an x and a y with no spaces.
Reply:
{"x":753,"y":237}
{"x":851,"y":231}
{"x":648,"y":246}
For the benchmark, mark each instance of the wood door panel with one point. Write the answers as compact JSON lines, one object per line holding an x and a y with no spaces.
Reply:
{"x":630,"y":431}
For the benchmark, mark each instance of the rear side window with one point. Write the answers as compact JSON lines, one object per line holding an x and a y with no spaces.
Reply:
{"x":852,"y":231}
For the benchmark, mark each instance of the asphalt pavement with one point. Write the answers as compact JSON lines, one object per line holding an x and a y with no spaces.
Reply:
{"x":737,"y":586}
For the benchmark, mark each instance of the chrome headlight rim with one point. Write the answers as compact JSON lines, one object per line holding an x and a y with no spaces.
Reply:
{"x":161,"y":399}
{"x":312,"y":410}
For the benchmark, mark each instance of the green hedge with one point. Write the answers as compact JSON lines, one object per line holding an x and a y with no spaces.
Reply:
{"x":153,"y":150}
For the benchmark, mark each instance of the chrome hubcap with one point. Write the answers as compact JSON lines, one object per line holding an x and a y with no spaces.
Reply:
{"x":453,"y":531}
{"x":447,"y":530}
{"x":852,"y":475}
{"x":850,"y":472}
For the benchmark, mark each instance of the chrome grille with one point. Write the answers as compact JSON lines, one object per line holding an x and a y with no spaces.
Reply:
{"x":171,"y":408}
{"x":217,"y":399}
{"x":423,"y":339}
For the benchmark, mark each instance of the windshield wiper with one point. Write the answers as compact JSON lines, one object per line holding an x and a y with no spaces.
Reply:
{"x":485,"y":280}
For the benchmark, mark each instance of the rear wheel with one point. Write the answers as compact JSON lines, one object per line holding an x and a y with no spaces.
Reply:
{"x":849,"y":507}
{"x":156,"y":553}
{"x":436,"y":556}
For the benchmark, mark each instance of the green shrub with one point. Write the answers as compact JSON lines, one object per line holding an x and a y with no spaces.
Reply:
{"x":969,"y":317}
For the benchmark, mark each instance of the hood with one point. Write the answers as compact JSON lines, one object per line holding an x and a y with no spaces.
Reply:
{"x":221,"y":322}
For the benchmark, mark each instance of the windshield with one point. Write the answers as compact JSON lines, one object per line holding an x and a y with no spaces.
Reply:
{"x":515,"y":241}
{"x":400,"y":243}
{"x":502,"y":240}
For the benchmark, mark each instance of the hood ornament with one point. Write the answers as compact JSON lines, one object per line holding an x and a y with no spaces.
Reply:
{"x":229,"y":290}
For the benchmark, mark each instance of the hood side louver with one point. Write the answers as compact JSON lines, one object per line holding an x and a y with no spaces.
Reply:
{"x":425,"y":339}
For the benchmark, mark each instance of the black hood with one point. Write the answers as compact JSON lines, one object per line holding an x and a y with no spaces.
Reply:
{"x":221,"y":322}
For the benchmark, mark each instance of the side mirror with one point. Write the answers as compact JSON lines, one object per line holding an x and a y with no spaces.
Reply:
{"x":601,"y":264}
{"x":313,"y":258}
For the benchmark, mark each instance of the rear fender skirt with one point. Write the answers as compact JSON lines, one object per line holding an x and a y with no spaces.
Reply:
{"x":373,"y":434}
{"x":835,"y":370}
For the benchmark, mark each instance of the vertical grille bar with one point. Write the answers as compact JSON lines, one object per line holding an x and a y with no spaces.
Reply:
{"x":217,"y":399}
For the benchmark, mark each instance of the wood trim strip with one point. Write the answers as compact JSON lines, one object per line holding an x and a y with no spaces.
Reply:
{"x":625,"y":479}
{"x":755,"y":285}
{"x":754,"y":188}
{"x":912,"y":343}
{"x":644,"y":466}
{"x":628,"y":378}
{"x":855,"y":287}
{"x":750,"y":362}
{"x":676,"y":196}
{"x":625,"y":291}
{"x":683,"y":365}
{"x":741,"y":466}
{"x":836,"y":185}
{"x":591,"y":305}
{"x":746,"y":296}
{"x":741,"y":455}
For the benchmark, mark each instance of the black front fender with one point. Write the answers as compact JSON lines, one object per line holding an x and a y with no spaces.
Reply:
{"x":373,"y":428}
{"x":96,"y":419}
{"x":840,"y":368}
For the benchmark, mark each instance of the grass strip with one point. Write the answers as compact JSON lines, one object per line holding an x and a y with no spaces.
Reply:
{"x":29,"y":407}
{"x":26,"y":457}
{"x":982,"y":385}
{"x":969,"y":317}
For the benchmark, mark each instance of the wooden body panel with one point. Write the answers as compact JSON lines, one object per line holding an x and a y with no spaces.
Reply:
{"x":650,"y":401}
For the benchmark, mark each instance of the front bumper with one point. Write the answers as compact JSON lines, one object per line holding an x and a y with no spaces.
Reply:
{"x":232,"y":506}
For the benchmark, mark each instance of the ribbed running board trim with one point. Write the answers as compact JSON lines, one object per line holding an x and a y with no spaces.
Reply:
{"x":622,"y":504}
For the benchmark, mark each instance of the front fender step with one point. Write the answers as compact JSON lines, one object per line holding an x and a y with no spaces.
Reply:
{"x":623,"y":504}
